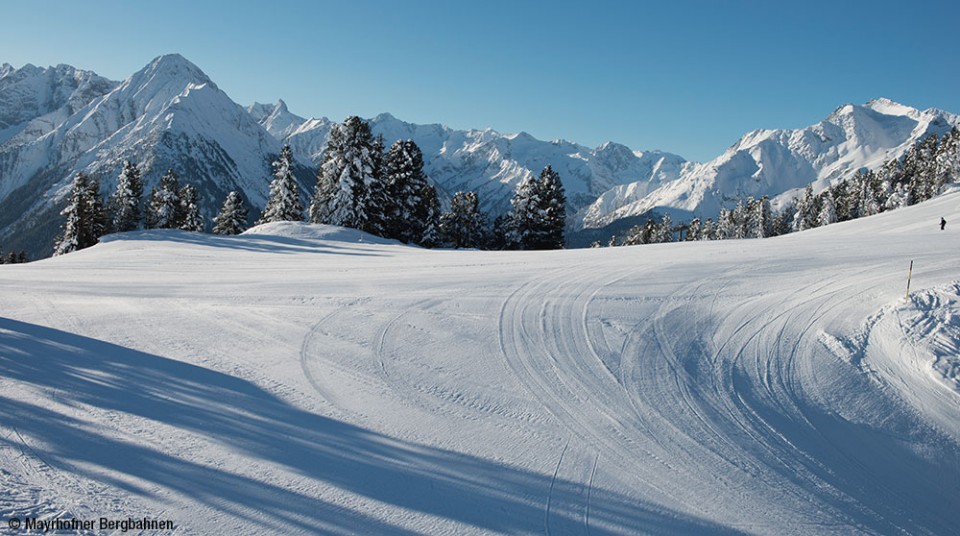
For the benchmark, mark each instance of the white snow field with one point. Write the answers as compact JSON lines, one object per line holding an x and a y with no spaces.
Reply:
{"x":308,"y":379}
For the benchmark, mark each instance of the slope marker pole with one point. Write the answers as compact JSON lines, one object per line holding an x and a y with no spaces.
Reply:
{"x":906,"y":297}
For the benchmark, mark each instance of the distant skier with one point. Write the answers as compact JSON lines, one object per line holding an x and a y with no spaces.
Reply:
{"x":943,"y":223}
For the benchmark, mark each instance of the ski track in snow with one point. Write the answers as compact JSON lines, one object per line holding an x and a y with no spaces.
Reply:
{"x":761,"y":387}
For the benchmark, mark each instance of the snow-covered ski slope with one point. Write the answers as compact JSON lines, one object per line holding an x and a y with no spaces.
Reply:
{"x":315,"y":380}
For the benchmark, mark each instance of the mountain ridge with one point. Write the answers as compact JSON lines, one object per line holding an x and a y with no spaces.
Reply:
{"x":779,"y":163}
{"x":59,"y":120}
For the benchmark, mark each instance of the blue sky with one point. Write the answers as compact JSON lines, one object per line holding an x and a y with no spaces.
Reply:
{"x":689,"y":77}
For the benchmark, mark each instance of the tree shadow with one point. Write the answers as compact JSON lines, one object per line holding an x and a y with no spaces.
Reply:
{"x":244,"y":418}
{"x":261,"y":243}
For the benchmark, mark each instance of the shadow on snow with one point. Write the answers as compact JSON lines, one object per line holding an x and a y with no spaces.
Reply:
{"x":246,"y":419}
{"x":263,"y":243}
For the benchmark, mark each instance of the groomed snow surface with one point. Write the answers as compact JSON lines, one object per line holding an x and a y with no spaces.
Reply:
{"x":304,"y":379}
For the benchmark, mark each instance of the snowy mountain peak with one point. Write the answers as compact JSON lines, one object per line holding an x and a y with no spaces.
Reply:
{"x":177,"y":67}
{"x":888,"y":107}
{"x":383,"y":117}
{"x":276,"y":118}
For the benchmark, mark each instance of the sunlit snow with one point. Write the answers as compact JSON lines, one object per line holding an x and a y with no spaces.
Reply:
{"x":310,"y":379}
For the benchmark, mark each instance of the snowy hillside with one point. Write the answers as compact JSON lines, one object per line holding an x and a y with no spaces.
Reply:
{"x":780,"y":162}
{"x":300,"y":379}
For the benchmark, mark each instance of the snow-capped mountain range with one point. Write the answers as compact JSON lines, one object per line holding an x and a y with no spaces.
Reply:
{"x":60,"y":120}
{"x":779,"y":163}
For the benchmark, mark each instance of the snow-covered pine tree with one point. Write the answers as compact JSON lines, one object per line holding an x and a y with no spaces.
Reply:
{"x":462,"y":226}
{"x":947,"y":160}
{"x":284,"y":203}
{"x":126,"y":204}
{"x":635,"y":235}
{"x":188,"y":215}
{"x":761,"y":218}
{"x":164,"y":202}
{"x":520,"y":229}
{"x":842,"y":200}
{"x":427,"y":212}
{"x":828,"y":209}
{"x":232,"y":219}
{"x":99,"y":221}
{"x":79,"y":230}
{"x":783,"y":220}
{"x":640,"y":234}
{"x":726,"y":225}
{"x":538,"y":216}
{"x":805,"y":215}
{"x":411,"y":208}
{"x":869,"y":201}
{"x":69,"y":239}
{"x":350,"y":191}
{"x":899,"y":198}
{"x":551,"y":211}
{"x":741,"y":217}
{"x":693,"y":230}
{"x":663,"y":231}
{"x":709,"y":231}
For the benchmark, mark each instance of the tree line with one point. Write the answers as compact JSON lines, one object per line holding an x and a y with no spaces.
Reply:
{"x":359,"y":185}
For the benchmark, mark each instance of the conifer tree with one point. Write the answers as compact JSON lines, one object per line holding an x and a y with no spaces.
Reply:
{"x":99,"y":221}
{"x":782,"y":221}
{"x":411,"y":209}
{"x":805,"y":215}
{"x":164,"y":202}
{"x":726,"y":225}
{"x":663,"y":232}
{"x":708,"y":231}
{"x":462,"y":226}
{"x":521,"y":225}
{"x":828,"y":209}
{"x":740,"y":219}
{"x":693,"y":230}
{"x":84,"y":217}
{"x":350,"y":191}
{"x":427,"y":213}
{"x":538,"y":217}
{"x":126,"y":204}
{"x":232,"y":219}
{"x":188,"y":215}
{"x":947,"y":161}
{"x":761,"y":218}
{"x":645,"y":233}
{"x":551,"y":211}
{"x":284,"y":203}
{"x":869,"y":199}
